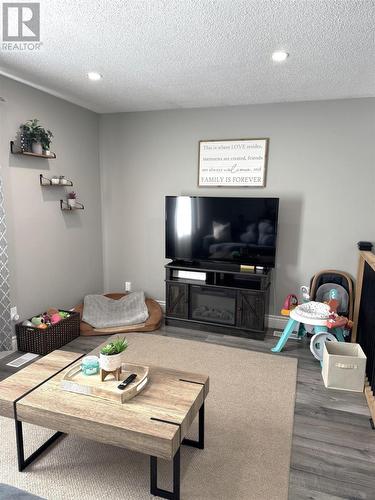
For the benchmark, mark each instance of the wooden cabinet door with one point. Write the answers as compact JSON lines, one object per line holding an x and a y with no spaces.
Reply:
{"x":177,"y":300}
{"x":250,"y":310}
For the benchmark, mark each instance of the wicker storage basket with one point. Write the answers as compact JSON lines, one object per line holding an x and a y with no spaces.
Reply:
{"x":44,"y":341}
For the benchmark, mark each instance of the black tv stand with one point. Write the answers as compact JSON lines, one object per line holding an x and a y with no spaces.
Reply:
{"x":217,"y":297}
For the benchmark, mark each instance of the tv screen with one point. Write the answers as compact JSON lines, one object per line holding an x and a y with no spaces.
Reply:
{"x":241,"y":230}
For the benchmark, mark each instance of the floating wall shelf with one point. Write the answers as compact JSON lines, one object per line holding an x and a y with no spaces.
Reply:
{"x":51,"y":156}
{"x":45,"y":181}
{"x":64,"y":206}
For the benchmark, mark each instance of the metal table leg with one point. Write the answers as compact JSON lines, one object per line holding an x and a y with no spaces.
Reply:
{"x":171,"y":495}
{"x":175,"y":494}
{"x":200,"y":443}
{"x":22,"y":462}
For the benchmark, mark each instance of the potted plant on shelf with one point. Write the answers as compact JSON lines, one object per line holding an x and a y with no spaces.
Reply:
{"x":45,"y":139}
{"x":72,"y":198}
{"x":111,"y":354}
{"x":36,"y":137}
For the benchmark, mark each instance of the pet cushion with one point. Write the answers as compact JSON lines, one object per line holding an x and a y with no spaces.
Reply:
{"x":103,"y":312}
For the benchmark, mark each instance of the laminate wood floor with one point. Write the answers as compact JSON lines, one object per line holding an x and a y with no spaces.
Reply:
{"x":333,"y":453}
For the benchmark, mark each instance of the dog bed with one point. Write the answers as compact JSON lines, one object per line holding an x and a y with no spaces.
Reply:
{"x":152,"y":323}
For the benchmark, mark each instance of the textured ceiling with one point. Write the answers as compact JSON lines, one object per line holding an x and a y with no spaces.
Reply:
{"x":165,"y":54}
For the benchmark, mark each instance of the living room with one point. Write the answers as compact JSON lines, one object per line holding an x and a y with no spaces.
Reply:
{"x":139,"y":91}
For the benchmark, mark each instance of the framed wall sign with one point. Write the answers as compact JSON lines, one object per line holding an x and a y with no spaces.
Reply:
{"x":233,"y":163}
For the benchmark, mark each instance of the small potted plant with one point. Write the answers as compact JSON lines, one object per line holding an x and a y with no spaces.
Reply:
{"x":72,"y":198}
{"x":45,"y":139}
{"x":34,"y":134}
{"x":111,"y":354}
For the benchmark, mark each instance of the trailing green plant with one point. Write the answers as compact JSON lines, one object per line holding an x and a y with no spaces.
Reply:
{"x":34,"y":132}
{"x":115,"y":347}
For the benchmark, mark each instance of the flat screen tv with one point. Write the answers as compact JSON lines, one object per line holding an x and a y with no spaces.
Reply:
{"x":237,"y":230}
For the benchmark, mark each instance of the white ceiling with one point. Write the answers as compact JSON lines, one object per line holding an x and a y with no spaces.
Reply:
{"x":166,"y":54}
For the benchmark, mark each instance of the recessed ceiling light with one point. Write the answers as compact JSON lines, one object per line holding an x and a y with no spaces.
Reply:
{"x":93,"y":75}
{"x":280,"y":56}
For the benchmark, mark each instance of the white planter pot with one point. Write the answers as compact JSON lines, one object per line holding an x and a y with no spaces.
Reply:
{"x":71,"y":202}
{"x":55,"y":180}
{"x":112,"y":362}
{"x":36,"y":148}
{"x":47,"y":152}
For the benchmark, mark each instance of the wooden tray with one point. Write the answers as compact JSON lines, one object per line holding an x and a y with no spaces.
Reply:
{"x":91,"y":385}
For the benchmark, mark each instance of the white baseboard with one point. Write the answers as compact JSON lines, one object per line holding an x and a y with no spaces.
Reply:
{"x":272,"y":321}
{"x":292,"y":336}
{"x":277,"y":322}
{"x":161,"y":304}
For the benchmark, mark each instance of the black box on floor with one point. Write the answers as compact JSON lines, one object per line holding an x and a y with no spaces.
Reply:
{"x":366,"y":246}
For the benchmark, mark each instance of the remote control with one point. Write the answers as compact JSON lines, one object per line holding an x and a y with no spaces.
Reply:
{"x":127,"y":381}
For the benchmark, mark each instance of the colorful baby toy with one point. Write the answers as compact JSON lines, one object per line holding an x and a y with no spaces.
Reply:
{"x":331,"y":309}
{"x":289,"y":303}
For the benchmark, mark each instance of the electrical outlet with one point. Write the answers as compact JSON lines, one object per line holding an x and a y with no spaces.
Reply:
{"x":128,"y":286}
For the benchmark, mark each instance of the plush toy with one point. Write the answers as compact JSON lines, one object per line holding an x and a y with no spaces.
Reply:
{"x":36,"y":320}
{"x":55,"y":318}
{"x":51,"y":317}
{"x":27,"y":323}
{"x":51,"y":311}
{"x":46,"y":319}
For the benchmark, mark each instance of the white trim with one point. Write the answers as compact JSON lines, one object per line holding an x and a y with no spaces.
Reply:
{"x":5,"y":353}
{"x":161,"y":304}
{"x":292,"y":336}
{"x":272,"y":321}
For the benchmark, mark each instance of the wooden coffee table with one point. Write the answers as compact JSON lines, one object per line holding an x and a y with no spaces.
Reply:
{"x":155,"y":422}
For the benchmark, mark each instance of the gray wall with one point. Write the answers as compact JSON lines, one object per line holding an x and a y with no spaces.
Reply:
{"x":321,"y":165}
{"x":55,"y":256}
